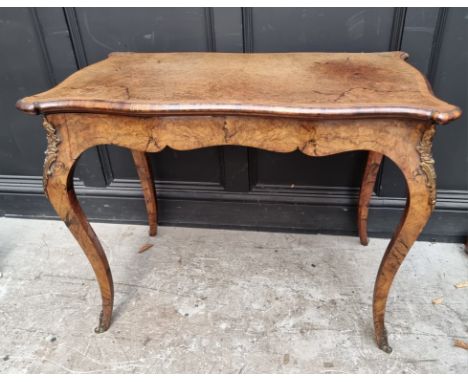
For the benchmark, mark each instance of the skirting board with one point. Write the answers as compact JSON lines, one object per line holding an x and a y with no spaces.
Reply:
{"x":265,"y":208}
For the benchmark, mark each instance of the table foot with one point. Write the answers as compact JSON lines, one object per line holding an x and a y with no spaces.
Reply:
{"x":104,"y":321}
{"x":143,"y":167}
{"x":374,"y":160}
{"x":382,"y":341}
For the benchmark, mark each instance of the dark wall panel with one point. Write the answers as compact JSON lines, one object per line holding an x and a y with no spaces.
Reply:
{"x":301,"y":170}
{"x":22,"y":71}
{"x":451,"y":83}
{"x":59,"y":47}
{"x":171,"y":165}
{"x":61,"y":58}
{"x":309,"y":29}
{"x":39,"y":56}
{"x":230,"y":186}
{"x":227,"y":23}
{"x":105,"y":30}
{"x":418,"y":35}
{"x":417,"y":40}
{"x":229,"y":37}
{"x":446,"y":31}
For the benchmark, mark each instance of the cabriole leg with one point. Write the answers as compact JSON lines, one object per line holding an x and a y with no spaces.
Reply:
{"x":420,"y":180}
{"x":374,"y":160}
{"x":58,"y":186}
{"x":143,"y":167}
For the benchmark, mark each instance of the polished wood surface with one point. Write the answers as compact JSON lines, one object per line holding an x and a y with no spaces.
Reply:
{"x":277,"y":123}
{"x":374,"y":160}
{"x":145,"y":174}
{"x":287,"y":84}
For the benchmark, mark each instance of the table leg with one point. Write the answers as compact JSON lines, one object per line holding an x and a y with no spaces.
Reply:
{"x":420,"y":178}
{"x":367,"y":187}
{"x":143,"y":167}
{"x":58,"y":186}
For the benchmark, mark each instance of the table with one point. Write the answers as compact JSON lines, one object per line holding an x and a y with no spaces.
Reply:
{"x":318,"y":103}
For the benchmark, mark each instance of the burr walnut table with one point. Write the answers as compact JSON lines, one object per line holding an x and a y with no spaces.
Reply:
{"x":317,"y":103}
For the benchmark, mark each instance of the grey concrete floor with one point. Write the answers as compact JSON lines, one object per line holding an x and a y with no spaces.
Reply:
{"x":224,"y":301}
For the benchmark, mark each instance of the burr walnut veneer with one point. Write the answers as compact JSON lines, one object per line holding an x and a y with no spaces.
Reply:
{"x":317,"y":103}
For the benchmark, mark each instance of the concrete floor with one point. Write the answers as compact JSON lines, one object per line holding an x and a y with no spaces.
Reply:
{"x":224,"y":301}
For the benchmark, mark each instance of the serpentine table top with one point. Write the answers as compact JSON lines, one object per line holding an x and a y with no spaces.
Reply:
{"x":269,"y":84}
{"x":318,"y":103}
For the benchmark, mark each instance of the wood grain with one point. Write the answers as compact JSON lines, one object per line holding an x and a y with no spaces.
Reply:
{"x":367,"y":187}
{"x":405,"y":141}
{"x":317,"y":103}
{"x":58,"y":186}
{"x":319,"y":85}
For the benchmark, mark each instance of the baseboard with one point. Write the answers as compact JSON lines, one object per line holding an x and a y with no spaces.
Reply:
{"x":270,"y":208}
